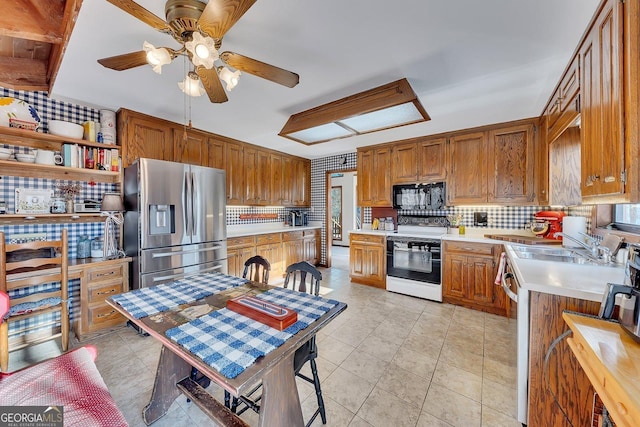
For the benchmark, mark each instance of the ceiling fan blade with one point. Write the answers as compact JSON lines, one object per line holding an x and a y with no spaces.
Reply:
{"x":125,"y":61}
{"x":211,"y":83}
{"x":260,"y":69}
{"x":137,"y":11}
{"x":220,"y":15}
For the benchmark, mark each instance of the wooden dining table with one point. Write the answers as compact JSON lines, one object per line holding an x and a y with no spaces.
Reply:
{"x":280,"y":403}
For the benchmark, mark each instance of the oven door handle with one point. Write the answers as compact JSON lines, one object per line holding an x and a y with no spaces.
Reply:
{"x":507,"y":288}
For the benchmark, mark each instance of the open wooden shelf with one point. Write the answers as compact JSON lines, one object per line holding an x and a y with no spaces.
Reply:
{"x":46,"y":141}
{"x":34,"y":170}
{"x":13,"y":219}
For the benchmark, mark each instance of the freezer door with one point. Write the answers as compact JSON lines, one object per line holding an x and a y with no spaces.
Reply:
{"x":164,"y":203}
{"x":153,"y":260}
{"x":209,"y":222}
{"x":159,"y":277}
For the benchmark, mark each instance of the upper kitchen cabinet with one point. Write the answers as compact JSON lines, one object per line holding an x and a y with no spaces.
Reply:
{"x":511,"y":165}
{"x":564,"y":107}
{"x":234,"y":155}
{"x":468,"y":162}
{"x":257,"y":164}
{"x":374,"y":176}
{"x":144,"y":136}
{"x":495,"y":165}
{"x":301,"y":181}
{"x":541,"y":172}
{"x":602,"y":126}
{"x":216,"y":150}
{"x":419,"y":160}
{"x":190,"y":146}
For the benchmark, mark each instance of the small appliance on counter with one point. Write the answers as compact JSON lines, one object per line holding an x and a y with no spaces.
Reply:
{"x":629,"y":314}
{"x":547,"y":223}
{"x":296,"y":219}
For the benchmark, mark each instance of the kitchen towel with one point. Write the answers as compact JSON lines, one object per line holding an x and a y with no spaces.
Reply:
{"x":573,"y":226}
{"x":156,"y":299}
{"x":230,"y":342}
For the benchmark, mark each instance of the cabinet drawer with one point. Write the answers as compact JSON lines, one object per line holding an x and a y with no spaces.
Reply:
{"x":470,"y":248}
{"x":241,"y":241}
{"x":265,"y":239}
{"x":308,"y":233}
{"x":292,"y":235}
{"x":98,"y":294}
{"x":106,"y":273}
{"x":103,"y":315}
{"x":367,"y":238}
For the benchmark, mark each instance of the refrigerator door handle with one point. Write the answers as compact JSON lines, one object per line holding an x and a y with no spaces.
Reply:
{"x":193,"y":251}
{"x":175,"y":276}
{"x":194,"y":195}
{"x":188,"y":208}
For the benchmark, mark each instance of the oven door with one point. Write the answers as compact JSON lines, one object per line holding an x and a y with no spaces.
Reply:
{"x":416,"y":259}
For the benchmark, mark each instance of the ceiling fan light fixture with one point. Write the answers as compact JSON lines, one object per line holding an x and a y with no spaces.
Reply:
{"x":191,"y":85}
{"x":203,"y":50}
{"x":230,"y":78}
{"x":156,"y":57}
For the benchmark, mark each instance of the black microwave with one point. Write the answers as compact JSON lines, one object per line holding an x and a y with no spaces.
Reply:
{"x":430,"y":196}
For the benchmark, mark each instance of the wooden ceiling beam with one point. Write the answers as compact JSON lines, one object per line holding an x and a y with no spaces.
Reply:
{"x":33,"y":20}
{"x":23,"y":74}
{"x":71,"y":11}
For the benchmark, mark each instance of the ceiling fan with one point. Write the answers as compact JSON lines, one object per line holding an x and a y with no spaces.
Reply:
{"x":199,"y":27}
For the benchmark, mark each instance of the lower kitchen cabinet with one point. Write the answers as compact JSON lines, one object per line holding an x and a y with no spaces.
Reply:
{"x":367,"y":259}
{"x":469,"y":270}
{"x":269,"y":246}
{"x":239,"y":249}
{"x":563,"y":376}
{"x":280,"y":249}
{"x":99,"y":280}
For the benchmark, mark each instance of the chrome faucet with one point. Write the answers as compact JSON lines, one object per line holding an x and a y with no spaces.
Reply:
{"x":595,"y":251}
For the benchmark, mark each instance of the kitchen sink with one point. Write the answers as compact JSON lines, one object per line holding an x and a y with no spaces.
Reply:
{"x":575,"y":256}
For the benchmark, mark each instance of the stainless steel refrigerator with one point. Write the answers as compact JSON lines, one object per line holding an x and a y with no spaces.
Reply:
{"x":175,"y":221}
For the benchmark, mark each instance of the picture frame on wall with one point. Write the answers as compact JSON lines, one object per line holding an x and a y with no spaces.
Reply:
{"x":33,"y":201}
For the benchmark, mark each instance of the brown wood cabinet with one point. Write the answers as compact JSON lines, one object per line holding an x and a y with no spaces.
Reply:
{"x":293,"y":247}
{"x":468,"y":162}
{"x":312,"y":246}
{"x":144,"y":136}
{"x":234,"y":156}
{"x":374,"y":176}
{"x":511,"y":165}
{"x":565,"y":376}
{"x":239,"y":249}
{"x":602,"y":127}
{"x":468,"y":274}
{"x":419,"y":160}
{"x":542,"y":164}
{"x":564,"y":107}
{"x":368,"y":259}
{"x":301,"y":192}
{"x":269,"y":246}
{"x":216,"y":153}
{"x":99,"y":280}
{"x":193,"y":150}
{"x":257,"y":170}
{"x":493,"y":166}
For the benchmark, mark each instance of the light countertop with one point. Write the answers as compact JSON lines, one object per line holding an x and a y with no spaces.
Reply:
{"x":581,"y":281}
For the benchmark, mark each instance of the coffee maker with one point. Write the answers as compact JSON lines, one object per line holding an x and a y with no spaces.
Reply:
{"x":547,"y":223}
{"x":630,"y":301}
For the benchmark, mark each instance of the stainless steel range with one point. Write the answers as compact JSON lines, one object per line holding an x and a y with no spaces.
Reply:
{"x":414,"y":256}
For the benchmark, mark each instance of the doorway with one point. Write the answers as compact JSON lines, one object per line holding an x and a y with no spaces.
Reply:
{"x":341,"y":213}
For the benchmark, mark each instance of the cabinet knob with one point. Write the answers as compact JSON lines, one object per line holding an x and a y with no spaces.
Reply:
{"x":580,"y":346}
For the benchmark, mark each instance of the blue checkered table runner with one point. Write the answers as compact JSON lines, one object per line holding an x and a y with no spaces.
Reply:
{"x":147,"y":301}
{"x":230,"y":342}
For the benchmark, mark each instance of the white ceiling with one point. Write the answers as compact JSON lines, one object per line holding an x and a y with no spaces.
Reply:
{"x":471,"y":63}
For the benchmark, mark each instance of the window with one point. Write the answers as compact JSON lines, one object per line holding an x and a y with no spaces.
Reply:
{"x":627,"y":218}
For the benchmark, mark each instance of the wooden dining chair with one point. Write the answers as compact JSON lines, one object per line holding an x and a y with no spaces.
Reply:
{"x":304,"y":277}
{"x":257,"y":269}
{"x":25,"y":269}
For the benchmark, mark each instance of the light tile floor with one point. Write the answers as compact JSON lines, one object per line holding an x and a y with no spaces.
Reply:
{"x":389,"y":359}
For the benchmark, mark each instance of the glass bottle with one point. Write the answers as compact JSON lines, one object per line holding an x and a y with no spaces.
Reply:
{"x":97,"y":246}
{"x":83,"y":247}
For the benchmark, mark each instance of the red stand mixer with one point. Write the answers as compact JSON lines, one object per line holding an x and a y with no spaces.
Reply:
{"x":547,"y":223}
